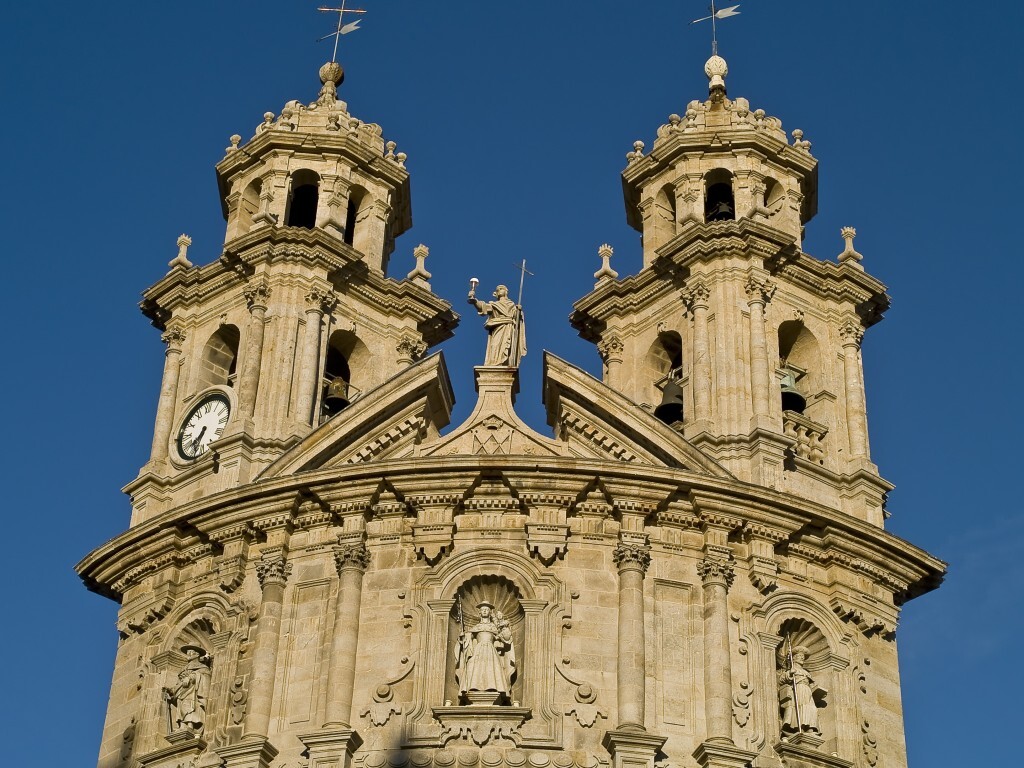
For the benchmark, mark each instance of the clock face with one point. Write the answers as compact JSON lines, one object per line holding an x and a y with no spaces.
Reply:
{"x":204,"y":424}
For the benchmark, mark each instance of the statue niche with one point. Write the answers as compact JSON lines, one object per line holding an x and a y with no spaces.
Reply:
{"x":485,"y":630}
{"x":801,"y":661}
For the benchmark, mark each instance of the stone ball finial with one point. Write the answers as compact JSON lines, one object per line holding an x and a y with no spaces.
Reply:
{"x":716,"y":69}
{"x":331,"y":72}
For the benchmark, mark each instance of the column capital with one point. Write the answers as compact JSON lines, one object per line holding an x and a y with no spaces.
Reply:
{"x":256,"y":295}
{"x":351,"y":557}
{"x":632,"y":557}
{"x":273,"y":569}
{"x":173,"y":337}
{"x":759,"y":290}
{"x":410,"y":349}
{"x":696,"y":294}
{"x":320,"y":299}
{"x":716,"y":570}
{"x":610,"y":348}
{"x":851,"y":331}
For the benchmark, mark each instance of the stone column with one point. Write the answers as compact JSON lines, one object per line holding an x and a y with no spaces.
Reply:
{"x":256,"y":296}
{"x":273,"y":571}
{"x":852,"y":332}
{"x":632,"y":560}
{"x":351,"y":561}
{"x":320,"y":299}
{"x":610,"y":349}
{"x":173,"y":338}
{"x":717,"y":574}
{"x":700,"y":367}
{"x":759,"y":293}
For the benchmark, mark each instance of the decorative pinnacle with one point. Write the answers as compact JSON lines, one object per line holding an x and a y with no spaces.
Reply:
{"x":419,"y":272}
{"x":605,"y":272}
{"x":181,"y":260}
{"x":716,"y":69}
{"x":849,"y":255}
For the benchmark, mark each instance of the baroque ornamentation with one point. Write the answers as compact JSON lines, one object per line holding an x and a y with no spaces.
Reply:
{"x":851,"y":332}
{"x":272,"y":568}
{"x":351,"y":556}
{"x":256,"y":295}
{"x":716,"y":570}
{"x":611,"y":348}
{"x":636,"y":557}
{"x":759,"y":291}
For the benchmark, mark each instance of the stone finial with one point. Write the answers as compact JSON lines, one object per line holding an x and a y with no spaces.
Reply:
{"x":268,"y":121}
{"x":637,"y":153}
{"x":390,"y":147}
{"x":419,"y":272}
{"x":605,"y":272}
{"x":181,"y":260}
{"x":331,"y":72}
{"x":850,"y":256}
{"x":799,"y":142}
{"x":716,"y":69}
{"x":235,"y":139}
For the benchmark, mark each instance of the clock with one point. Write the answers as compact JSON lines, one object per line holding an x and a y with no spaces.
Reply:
{"x":203,"y":424}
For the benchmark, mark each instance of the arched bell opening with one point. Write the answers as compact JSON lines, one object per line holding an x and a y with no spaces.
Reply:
{"x":804,"y":679}
{"x":774,"y":195}
{"x":799,"y":366}
{"x":249,"y":205}
{"x":719,"y":199}
{"x":665,"y":364}
{"x":346,"y":355}
{"x":357,"y":198}
{"x":220,"y":358}
{"x":486,"y":631}
{"x":303,"y":199}
{"x":665,"y":214}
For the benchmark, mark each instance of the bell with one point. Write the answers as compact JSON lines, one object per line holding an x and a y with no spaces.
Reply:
{"x":792,"y":398}
{"x":337,"y":394}
{"x":671,"y":408}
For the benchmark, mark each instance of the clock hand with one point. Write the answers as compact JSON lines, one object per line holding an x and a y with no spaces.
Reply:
{"x":195,"y":443}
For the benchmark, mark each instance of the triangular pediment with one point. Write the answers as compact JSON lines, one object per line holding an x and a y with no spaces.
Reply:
{"x":387,"y":422}
{"x":593,"y":421}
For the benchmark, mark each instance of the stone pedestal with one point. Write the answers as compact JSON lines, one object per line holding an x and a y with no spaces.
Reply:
{"x":184,"y":749}
{"x":713,"y":754}
{"x":496,"y":726}
{"x":631,"y":748}
{"x":331,"y":748}
{"x":257,"y":753}
{"x":803,"y":751}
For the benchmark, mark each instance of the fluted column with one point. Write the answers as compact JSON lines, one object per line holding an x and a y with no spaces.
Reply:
{"x":256,"y":296}
{"x":272,"y":570}
{"x":852,"y":332}
{"x":320,"y":299}
{"x":717,"y":574}
{"x":759,"y":293}
{"x":610,"y":349}
{"x":632,"y":560}
{"x":351,"y":561}
{"x":173,"y":338}
{"x":697,"y":297}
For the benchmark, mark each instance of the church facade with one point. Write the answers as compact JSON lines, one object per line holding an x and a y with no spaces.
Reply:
{"x":690,"y":570}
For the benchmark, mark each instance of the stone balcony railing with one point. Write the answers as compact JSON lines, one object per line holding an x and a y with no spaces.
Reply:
{"x":809,"y":436}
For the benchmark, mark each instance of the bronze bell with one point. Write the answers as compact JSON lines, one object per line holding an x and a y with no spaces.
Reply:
{"x":337,"y":394}
{"x":792,"y":398}
{"x":671,"y":408}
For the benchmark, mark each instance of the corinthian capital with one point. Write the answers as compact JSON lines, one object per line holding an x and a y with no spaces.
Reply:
{"x":610,"y":348}
{"x":697,"y":294}
{"x":851,"y":332}
{"x":715,"y":570}
{"x":351,"y":557}
{"x":632,"y":557}
{"x":759,"y":291}
{"x":410,"y":348}
{"x":273,"y":569}
{"x":320,"y":299}
{"x":173,"y":337}
{"x":256,"y":295}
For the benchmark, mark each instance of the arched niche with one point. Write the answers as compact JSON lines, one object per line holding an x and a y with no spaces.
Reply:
{"x":665,"y":213}
{"x":219,"y":359}
{"x":346,"y":372}
{"x":664,"y":360}
{"x":719,"y":196}
{"x":509,"y":578}
{"x":800,"y":364}
{"x":248,"y":206}
{"x":303,"y":199}
{"x":774,"y":195}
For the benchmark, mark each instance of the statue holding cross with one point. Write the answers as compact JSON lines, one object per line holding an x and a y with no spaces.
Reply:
{"x":505,"y":324}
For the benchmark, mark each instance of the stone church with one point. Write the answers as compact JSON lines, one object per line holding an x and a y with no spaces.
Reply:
{"x":691,"y":569}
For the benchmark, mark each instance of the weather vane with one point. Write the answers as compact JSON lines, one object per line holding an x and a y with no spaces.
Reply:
{"x":343,"y":28}
{"x":716,"y":14}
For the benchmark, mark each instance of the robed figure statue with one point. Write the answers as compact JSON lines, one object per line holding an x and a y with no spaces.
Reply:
{"x":506,"y":340}
{"x":485,"y":659}
{"x":186,"y":702}
{"x":799,"y":695}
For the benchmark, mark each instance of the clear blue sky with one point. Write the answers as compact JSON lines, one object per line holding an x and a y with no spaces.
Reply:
{"x":516,"y":120}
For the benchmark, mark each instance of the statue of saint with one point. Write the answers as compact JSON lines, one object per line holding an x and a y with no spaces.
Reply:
{"x":186,"y":702}
{"x":485,"y":659}
{"x":799,"y":696}
{"x":506,"y":341}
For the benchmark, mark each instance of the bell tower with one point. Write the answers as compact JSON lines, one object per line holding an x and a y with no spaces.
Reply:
{"x":731,"y":333}
{"x":298,"y":316}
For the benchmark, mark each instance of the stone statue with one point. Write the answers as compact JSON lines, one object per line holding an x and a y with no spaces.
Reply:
{"x":186,"y":702}
{"x":799,"y":696}
{"x":485,"y":659}
{"x":506,"y":341}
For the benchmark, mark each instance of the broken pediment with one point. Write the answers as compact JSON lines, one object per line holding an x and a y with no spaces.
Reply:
{"x":593,"y":421}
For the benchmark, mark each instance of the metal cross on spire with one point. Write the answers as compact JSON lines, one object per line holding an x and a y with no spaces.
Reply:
{"x":716,"y":14}
{"x":343,"y":28}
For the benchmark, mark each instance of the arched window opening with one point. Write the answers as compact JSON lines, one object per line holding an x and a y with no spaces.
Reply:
{"x":249,"y":205}
{"x":356,"y":199}
{"x":799,"y":366}
{"x":665,"y":364}
{"x":665,"y":213}
{"x":803,"y":677}
{"x":303,"y":199}
{"x":220,"y":358}
{"x":719,"y":201}
{"x":347,"y":357}
{"x":774,"y":195}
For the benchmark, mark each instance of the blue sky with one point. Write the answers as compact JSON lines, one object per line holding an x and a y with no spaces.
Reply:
{"x":516,"y":120}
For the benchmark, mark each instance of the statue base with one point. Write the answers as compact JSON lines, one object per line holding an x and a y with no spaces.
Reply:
{"x":480,"y":724}
{"x":718,"y":754}
{"x":801,"y":751}
{"x":497,"y":382}
{"x":632,"y":747}
{"x":485,"y":698}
